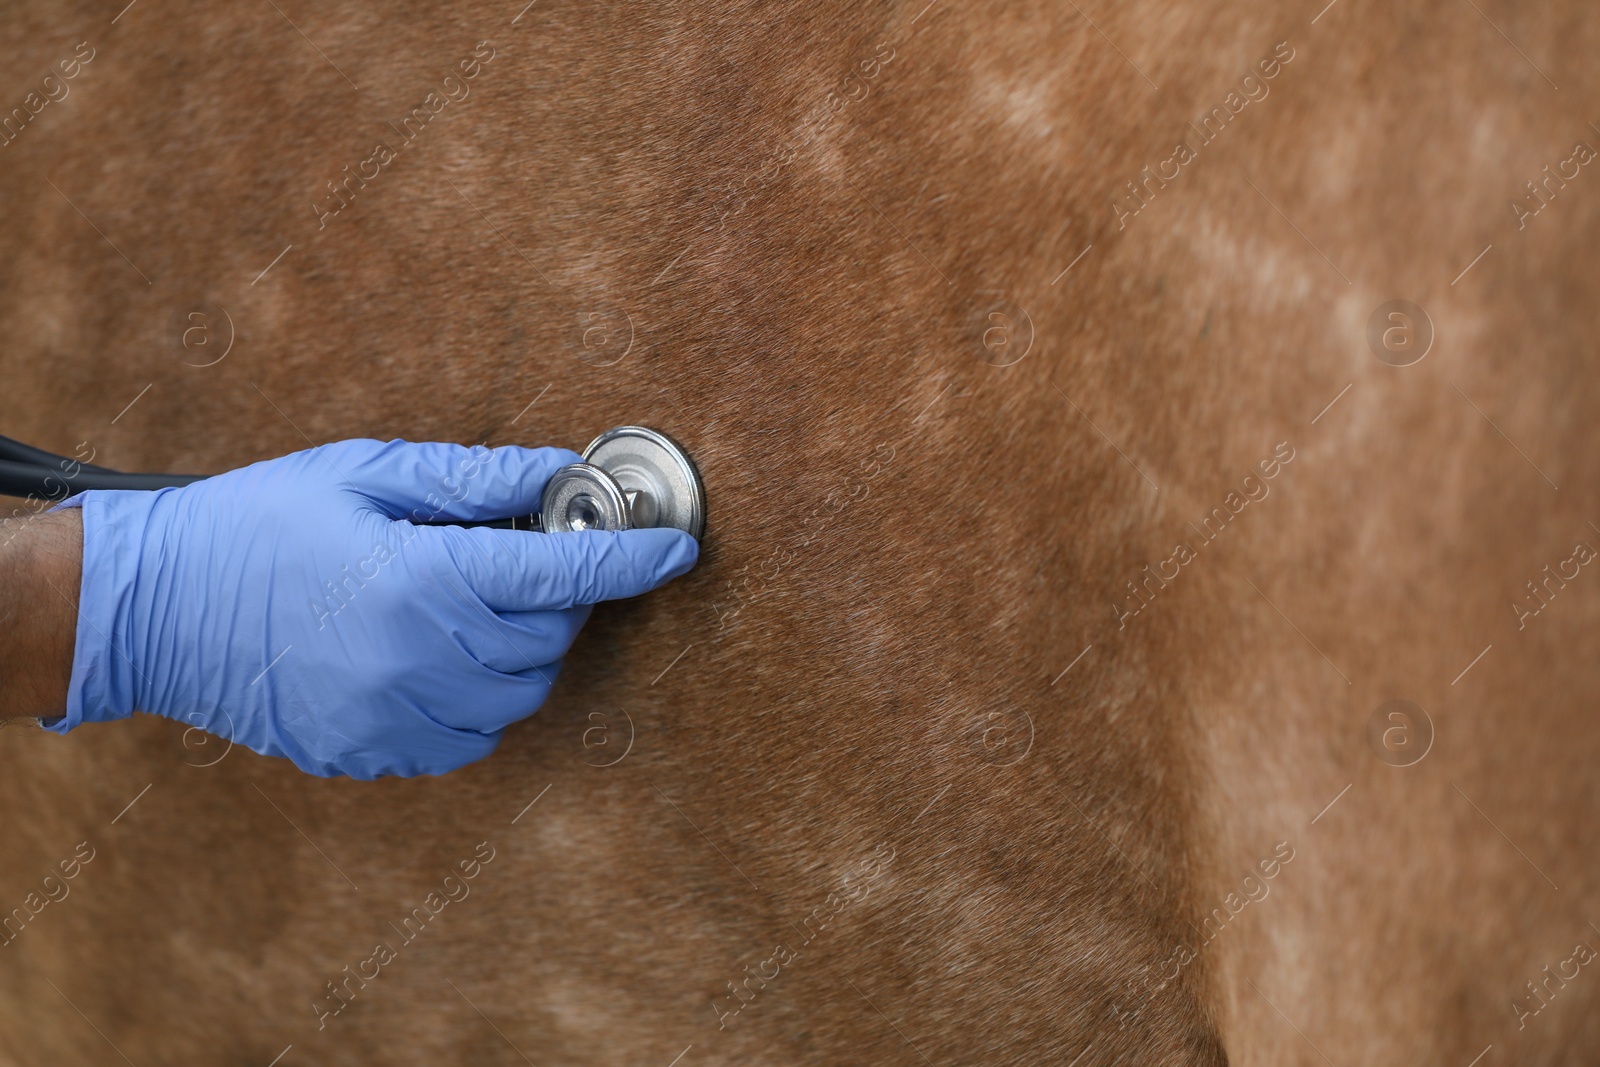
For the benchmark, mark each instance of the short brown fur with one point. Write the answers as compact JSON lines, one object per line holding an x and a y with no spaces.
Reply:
{"x":907,"y":548}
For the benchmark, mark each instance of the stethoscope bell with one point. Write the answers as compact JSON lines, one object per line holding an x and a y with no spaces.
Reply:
{"x":631,"y":478}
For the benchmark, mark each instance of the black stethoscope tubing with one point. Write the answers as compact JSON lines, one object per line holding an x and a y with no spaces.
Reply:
{"x":26,"y":471}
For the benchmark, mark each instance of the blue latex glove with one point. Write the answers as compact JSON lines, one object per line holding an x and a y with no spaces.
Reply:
{"x":289,"y":606}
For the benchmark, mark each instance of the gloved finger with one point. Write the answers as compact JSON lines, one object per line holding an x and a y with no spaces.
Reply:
{"x":550,"y":670}
{"x":410,"y":743}
{"x":540,"y":637}
{"x":513,"y":642}
{"x":475,"y":697}
{"x":577,"y":617}
{"x":508,"y":642}
{"x":515,"y":571}
{"x":432,"y":481}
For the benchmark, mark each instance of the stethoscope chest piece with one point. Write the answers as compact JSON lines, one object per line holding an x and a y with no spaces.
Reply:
{"x":630,"y":478}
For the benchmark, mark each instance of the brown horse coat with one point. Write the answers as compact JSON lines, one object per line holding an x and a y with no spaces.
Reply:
{"x":1066,"y":531}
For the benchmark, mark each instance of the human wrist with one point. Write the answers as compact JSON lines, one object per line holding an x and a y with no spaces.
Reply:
{"x":41,"y":560}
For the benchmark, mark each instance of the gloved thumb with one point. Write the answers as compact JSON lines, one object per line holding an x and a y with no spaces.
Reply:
{"x":513,"y":570}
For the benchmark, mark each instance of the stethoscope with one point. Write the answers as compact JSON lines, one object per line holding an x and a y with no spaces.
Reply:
{"x":631,"y":477}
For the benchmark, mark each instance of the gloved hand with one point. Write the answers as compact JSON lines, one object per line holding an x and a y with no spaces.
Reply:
{"x":291,"y":607}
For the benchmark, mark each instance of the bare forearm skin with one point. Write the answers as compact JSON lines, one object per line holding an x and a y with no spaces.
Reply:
{"x":41,"y":564}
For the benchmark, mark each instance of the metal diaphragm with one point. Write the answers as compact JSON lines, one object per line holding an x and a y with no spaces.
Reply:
{"x":582,"y":497}
{"x":631,"y":477}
